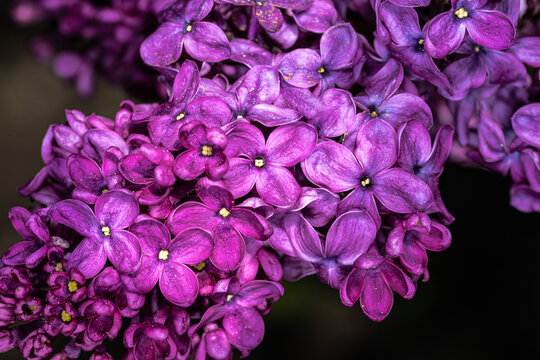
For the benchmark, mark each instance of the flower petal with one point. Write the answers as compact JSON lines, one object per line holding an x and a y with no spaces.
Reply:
{"x":229,"y":247}
{"x":179,"y":284}
{"x":289,"y":144}
{"x":303,"y":237}
{"x":333,"y":167}
{"x":491,"y":29}
{"x":444,"y":35}
{"x":271,"y":115}
{"x":250,"y":224}
{"x":339,"y":46}
{"x":350,"y":236}
{"x":268,"y":16}
{"x":241,"y":177}
{"x":191,"y":215}
{"x":376,"y":146}
{"x":163,"y":46}
{"x":207,"y":42}
{"x":414,"y":145}
{"x":299,"y":68}
{"x":244,"y":327}
{"x":191,"y":247}
{"x":88,"y":257}
{"x":259,"y":85}
{"x":277,"y":186}
{"x":401,"y":192}
{"x":152,"y":234}
{"x":85,"y":173}
{"x":75,"y":215}
{"x":337,"y":115}
{"x":376,"y":298}
{"x":526,"y":124}
{"x":123,"y":250}
{"x":116,"y":209}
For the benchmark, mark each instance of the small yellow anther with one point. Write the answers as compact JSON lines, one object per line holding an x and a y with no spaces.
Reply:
{"x":259,"y":163}
{"x":59,"y":267}
{"x":104,"y":191}
{"x":421,"y":41}
{"x":206,"y":150}
{"x":229,"y":297}
{"x":180,"y":116}
{"x":163,"y":255}
{"x":200,"y":266}
{"x":66,"y":317}
{"x":461,"y":13}
{"x":239,"y":116}
{"x":365,"y":182}
{"x":32,"y":308}
{"x":373,"y":114}
{"x":224,"y":212}
{"x":106,"y":231}
{"x":320,"y":70}
{"x":476,"y":48}
{"x":72,"y":286}
{"x":189,"y":28}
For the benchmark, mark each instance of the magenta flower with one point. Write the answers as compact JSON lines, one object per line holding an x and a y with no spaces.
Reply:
{"x":237,"y":304}
{"x":372,"y":283}
{"x":264,"y":163}
{"x":103,"y":232}
{"x":205,"y":152}
{"x":165,"y":260}
{"x":181,"y":27}
{"x":226,"y":221}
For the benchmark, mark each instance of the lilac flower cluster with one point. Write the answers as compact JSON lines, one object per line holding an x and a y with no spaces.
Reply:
{"x":484,"y":78}
{"x":289,"y":146}
{"x":84,"y":38}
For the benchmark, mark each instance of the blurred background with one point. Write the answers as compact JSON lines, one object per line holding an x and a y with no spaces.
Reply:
{"x":481,"y":300}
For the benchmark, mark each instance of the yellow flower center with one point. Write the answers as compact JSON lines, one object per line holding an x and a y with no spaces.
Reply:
{"x":320,"y":70}
{"x":104,"y":191}
{"x":189,"y":28}
{"x":32,"y":308}
{"x":66,"y":317}
{"x":239,"y":116}
{"x":59,"y":267}
{"x":224,"y":212}
{"x":229,"y":297}
{"x":206,"y":150}
{"x":421,"y":41}
{"x":180,"y":116}
{"x":476,"y":48}
{"x":365,"y":182}
{"x":259,"y":163}
{"x":163,"y":255}
{"x":373,"y":114}
{"x":461,"y":13}
{"x":106,"y":231}
{"x":72,"y":286}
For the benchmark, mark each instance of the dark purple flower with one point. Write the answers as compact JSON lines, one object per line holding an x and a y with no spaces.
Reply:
{"x":226,"y":221}
{"x":369,"y":172}
{"x":102,"y":321}
{"x":410,"y":238}
{"x":265,"y":162}
{"x":90,"y":179}
{"x":373,"y":282}
{"x":350,"y":236}
{"x":149,"y":341}
{"x":165,"y":260}
{"x":37,"y":345}
{"x":318,"y":17}
{"x":60,"y":320}
{"x":66,"y":287}
{"x":181,"y":27}
{"x":103,"y":232}
{"x":489,"y":28}
{"x":205,"y":152}
{"x":36,"y":242}
{"x":242,"y":323}
{"x":151,"y":166}
{"x":526,"y":124}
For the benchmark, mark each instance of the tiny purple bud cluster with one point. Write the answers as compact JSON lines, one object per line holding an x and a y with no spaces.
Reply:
{"x":288,"y":146}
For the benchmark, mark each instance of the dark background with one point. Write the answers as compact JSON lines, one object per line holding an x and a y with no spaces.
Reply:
{"x":481,"y":301}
